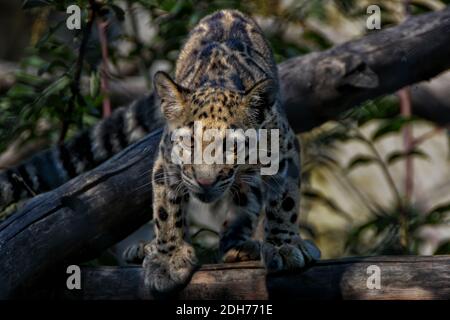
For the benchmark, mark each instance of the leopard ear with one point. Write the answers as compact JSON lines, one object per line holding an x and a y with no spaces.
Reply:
{"x":171,"y":94}
{"x":261,"y":97}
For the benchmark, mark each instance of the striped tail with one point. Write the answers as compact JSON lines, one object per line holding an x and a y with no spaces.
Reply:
{"x":55,"y":166}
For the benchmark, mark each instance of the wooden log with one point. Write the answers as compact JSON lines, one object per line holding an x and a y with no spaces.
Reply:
{"x":401,"y":277}
{"x":78,"y":220}
{"x":319,"y":86}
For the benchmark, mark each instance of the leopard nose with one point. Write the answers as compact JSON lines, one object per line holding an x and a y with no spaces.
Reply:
{"x":205,"y":182}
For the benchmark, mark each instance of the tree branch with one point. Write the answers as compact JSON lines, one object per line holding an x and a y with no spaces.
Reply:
{"x":78,"y":220}
{"x":319,"y":86}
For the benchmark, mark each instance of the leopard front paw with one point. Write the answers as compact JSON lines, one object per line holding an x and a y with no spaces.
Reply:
{"x":166,"y":272}
{"x":245,"y":251}
{"x":289,"y":256}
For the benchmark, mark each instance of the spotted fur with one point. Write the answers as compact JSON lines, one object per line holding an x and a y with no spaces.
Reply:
{"x":225,"y":77}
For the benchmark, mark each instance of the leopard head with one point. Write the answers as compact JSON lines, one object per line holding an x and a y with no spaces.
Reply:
{"x":207,"y":117}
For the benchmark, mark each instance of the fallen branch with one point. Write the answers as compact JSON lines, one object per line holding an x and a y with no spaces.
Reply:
{"x":319,"y":86}
{"x":78,"y":220}
{"x":401,"y":277}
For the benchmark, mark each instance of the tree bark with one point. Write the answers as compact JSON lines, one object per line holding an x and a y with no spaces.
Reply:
{"x":78,"y":220}
{"x":401,"y":277}
{"x":319,"y":86}
{"x":90,"y":213}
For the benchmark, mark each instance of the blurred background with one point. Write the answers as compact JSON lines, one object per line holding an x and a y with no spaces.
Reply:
{"x":375,"y":182}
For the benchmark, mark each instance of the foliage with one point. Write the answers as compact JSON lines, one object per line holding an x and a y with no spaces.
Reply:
{"x":390,"y":230}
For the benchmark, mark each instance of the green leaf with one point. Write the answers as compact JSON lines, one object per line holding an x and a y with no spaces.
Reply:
{"x":438,"y":214}
{"x":49,"y":34}
{"x":50,"y":66}
{"x":57,"y":86}
{"x":360,"y":160}
{"x":28,"y":78}
{"x":442,"y":208}
{"x":399,"y":155}
{"x":346,"y":5}
{"x":443,"y":248}
{"x":20,"y":90}
{"x":380,"y":108}
{"x":379,"y":225}
{"x":390,"y":126}
{"x":330,"y":203}
{"x":94,"y":84}
{"x":33,"y":61}
{"x":317,"y":38}
{"x":118,"y":11}
{"x":355,"y":233}
{"x":52,"y":89}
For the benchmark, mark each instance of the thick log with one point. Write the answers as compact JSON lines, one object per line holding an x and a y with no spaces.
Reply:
{"x":78,"y":220}
{"x":90,"y":213}
{"x":401,"y":277}
{"x":319,"y":86}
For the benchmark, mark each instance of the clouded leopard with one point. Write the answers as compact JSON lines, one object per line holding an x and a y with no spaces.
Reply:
{"x":225,"y":77}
